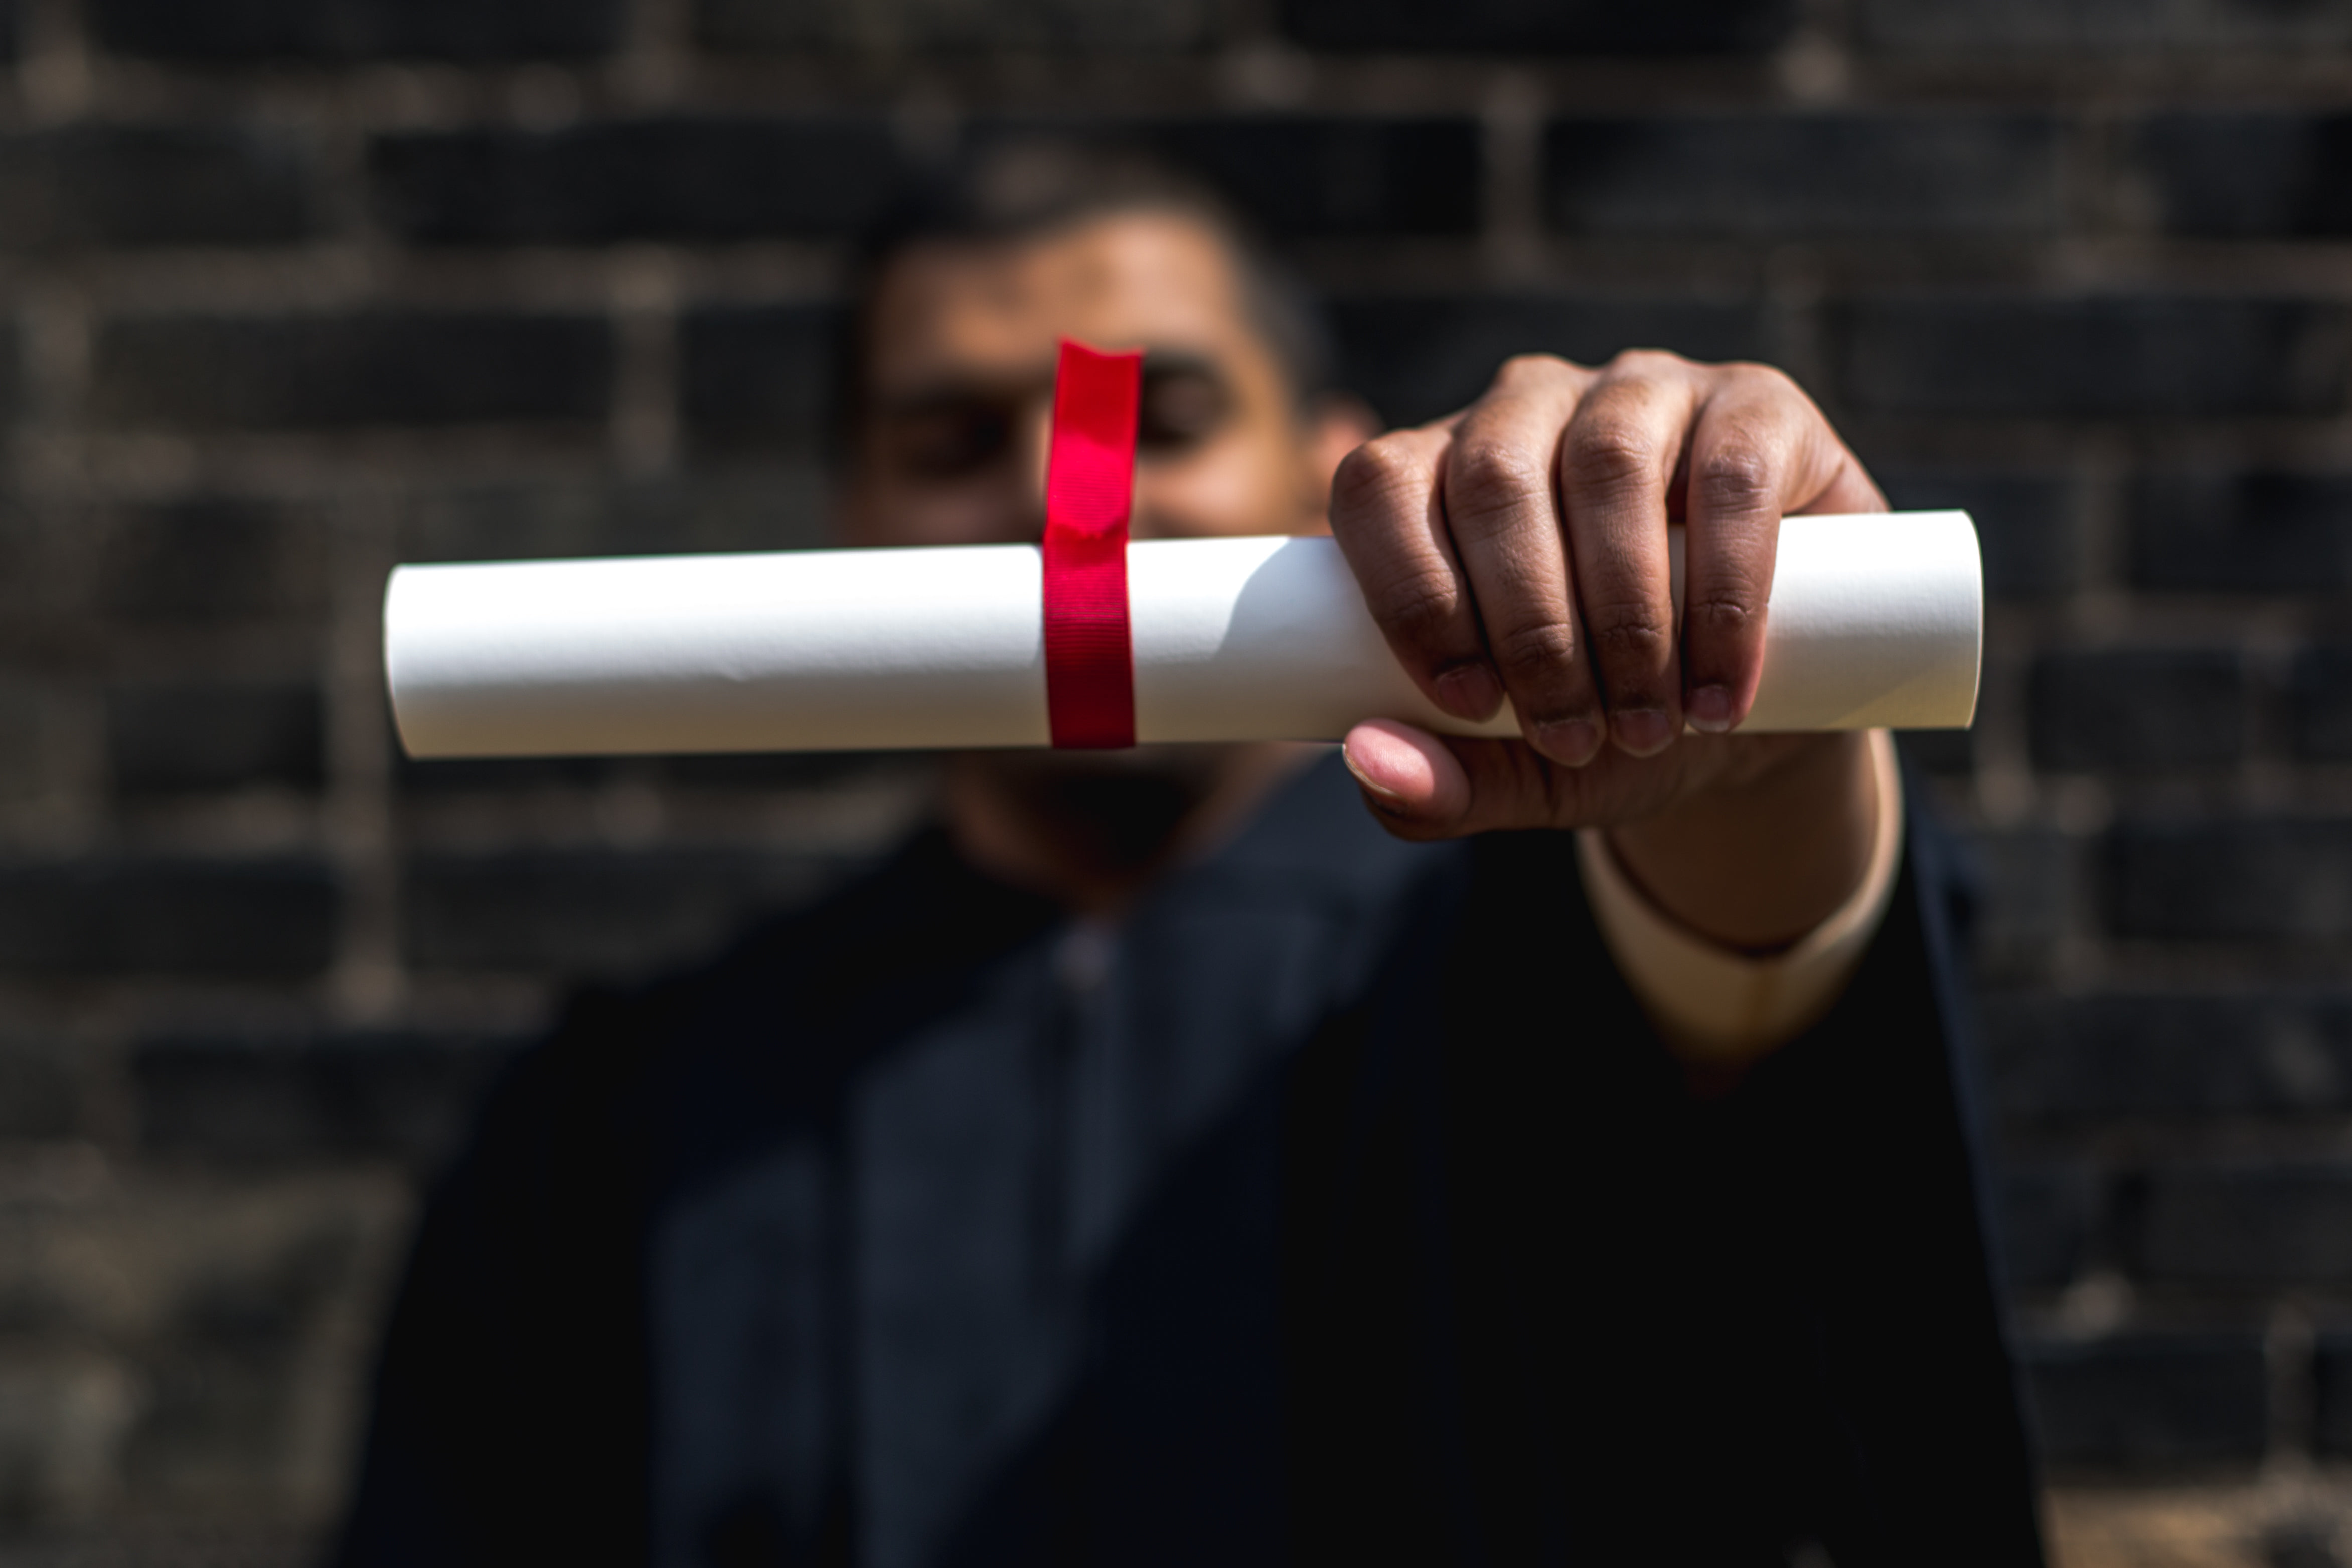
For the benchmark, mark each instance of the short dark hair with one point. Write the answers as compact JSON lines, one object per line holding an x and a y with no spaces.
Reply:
{"x":1014,"y":189}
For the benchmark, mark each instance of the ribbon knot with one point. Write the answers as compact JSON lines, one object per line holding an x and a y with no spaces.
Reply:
{"x":1089,"y":489}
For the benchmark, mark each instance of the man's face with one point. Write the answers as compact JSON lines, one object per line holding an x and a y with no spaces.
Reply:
{"x":952,"y":446}
{"x":960,"y":376}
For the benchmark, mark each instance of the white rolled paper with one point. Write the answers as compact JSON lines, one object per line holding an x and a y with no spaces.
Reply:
{"x":1873,"y":621}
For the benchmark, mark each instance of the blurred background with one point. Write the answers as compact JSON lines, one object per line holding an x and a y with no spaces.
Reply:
{"x":292,"y":290}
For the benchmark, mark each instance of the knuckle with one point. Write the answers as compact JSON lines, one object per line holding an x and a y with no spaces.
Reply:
{"x":1612,"y":453}
{"x":1416,"y":608}
{"x":1629,"y":634}
{"x":1375,"y":474}
{"x":1749,"y":375}
{"x":1528,"y":370}
{"x":1770,"y":399}
{"x":1737,"y":477}
{"x":1722,"y":618}
{"x":1533,"y":649}
{"x":1646,"y":364}
{"x":1487,"y":479}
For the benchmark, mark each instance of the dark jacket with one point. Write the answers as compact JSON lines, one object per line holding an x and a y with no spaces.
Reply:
{"x":1340,"y":1207}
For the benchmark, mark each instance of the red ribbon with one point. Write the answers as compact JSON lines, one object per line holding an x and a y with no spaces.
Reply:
{"x":1089,"y":480}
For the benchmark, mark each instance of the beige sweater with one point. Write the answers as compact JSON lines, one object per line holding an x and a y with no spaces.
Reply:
{"x":1721,"y":1005}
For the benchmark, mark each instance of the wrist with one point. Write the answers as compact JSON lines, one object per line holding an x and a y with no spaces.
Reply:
{"x":1773,"y":845}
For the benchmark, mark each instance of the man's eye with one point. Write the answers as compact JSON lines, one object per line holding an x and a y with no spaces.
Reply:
{"x":949,"y":442}
{"x":1179,"y":411}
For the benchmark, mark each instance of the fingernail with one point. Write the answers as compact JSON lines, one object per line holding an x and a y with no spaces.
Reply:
{"x":1387,"y":798}
{"x":1469,"y":689}
{"x":1569,"y":741}
{"x":1642,"y":732}
{"x":1709,"y":709}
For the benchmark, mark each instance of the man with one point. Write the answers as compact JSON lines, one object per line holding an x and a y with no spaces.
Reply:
{"x":1164,"y":1160}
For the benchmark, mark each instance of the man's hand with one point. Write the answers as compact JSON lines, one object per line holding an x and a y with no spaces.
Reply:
{"x":1519,"y":549}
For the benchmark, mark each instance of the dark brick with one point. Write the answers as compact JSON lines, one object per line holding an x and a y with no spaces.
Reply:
{"x":2100,"y":357}
{"x":900,"y":26}
{"x":2139,"y":709}
{"x":1543,"y":27}
{"x":745,"y":508}
{"x":24,"y":739}
{"x":1767,"y":175}
{"x":2239,"y":176}
{"x":274,"y":1098}
{"x":41,"y":1088}
{"x":2030,"y":894}
{"x":119,"y":915}
{"x":2168,"y":1400}
{"x":11,"y":372}
{"x":1418,"y":358}
{"x":2245,"y":1223}
{"x":2216,"y":532}
{"x":2320,"y":704}
{"x":225,"y":1356}
{"x":2231,"y":880}
{"x":171,"y":737}
{"x":156,"y":184}
{"x":2026,"y":523}
{"x":760,"y":377}
{"x":1300,"y":176}
{"x":29,"y":603}
{"x":327,"y":373}
{"x":2332,"y":1407}
{"x":2102,"y":26}
{"x":209,"y":560}
{"x":2047,"y":1216}
{"x":2088,"y":1059}
{"x":589,"y":910}
{"x":231,"y":30}
{"x":684,"y":179}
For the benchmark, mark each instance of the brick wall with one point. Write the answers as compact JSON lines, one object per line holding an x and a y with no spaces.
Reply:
{"x":292,"y":290}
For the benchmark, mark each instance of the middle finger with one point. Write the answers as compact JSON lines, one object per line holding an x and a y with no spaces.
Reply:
{"x":1616,"y":461}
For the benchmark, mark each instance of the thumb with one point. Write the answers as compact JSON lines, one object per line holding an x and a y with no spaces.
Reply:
{"x":1410,"y":780}
{"x":1422,"y":786}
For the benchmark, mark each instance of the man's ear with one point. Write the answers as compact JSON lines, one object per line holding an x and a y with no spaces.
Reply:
{"x":1337,"y":423}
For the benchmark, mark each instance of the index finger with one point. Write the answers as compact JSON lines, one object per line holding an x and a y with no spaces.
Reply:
{"x":1503,"y":514}
{"x":1387,"y":513}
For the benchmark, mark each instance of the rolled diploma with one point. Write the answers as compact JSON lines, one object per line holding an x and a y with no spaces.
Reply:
{"x":1874,"y":620}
